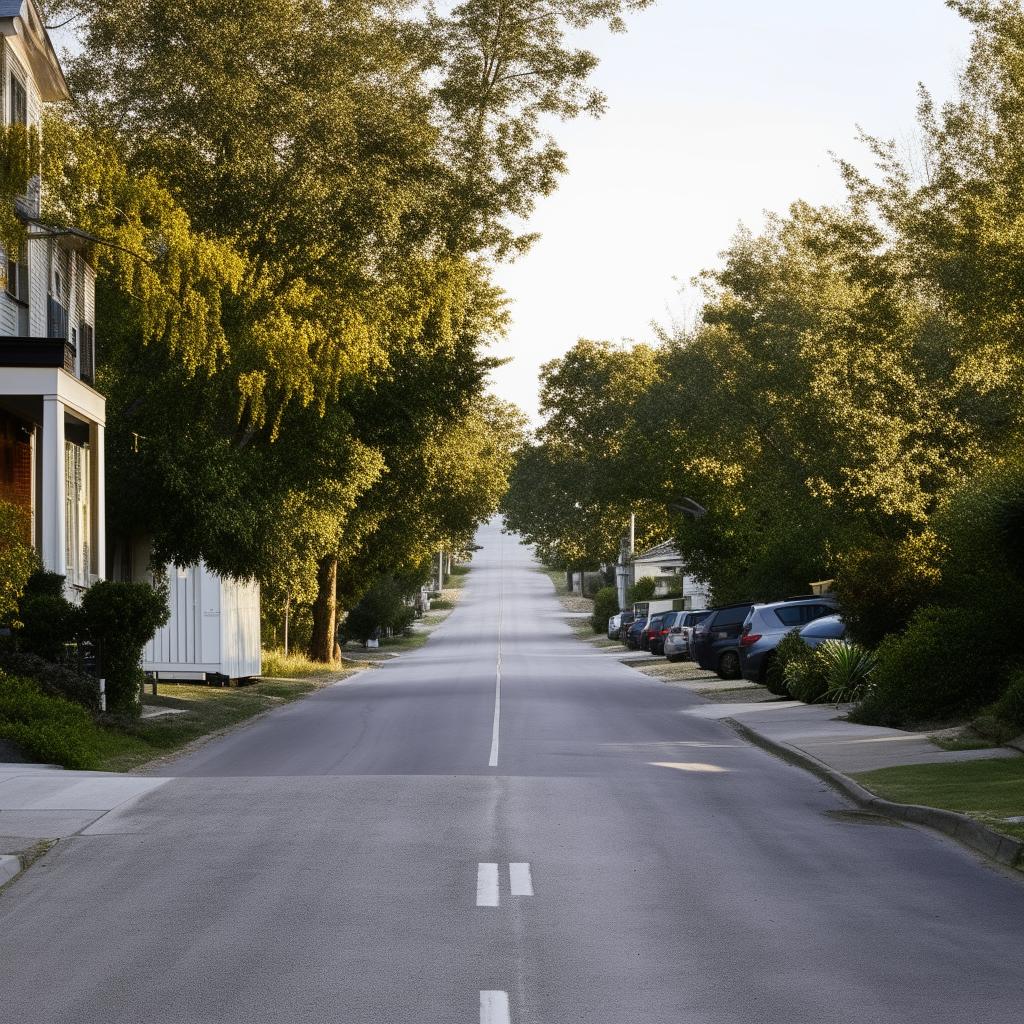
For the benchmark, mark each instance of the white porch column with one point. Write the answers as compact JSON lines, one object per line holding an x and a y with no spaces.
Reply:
{"x":52,"y":513}
{"x":99,"y":501}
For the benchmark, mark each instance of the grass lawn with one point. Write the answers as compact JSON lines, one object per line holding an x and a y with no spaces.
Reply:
{"x":278,"y":665}
{"x":988,"y":790}
{"x":122,"y":746}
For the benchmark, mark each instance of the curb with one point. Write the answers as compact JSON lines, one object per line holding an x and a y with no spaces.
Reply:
{"x":980,"y":838}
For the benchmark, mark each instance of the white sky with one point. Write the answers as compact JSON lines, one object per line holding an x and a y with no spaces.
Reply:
{"x":718,"y":111}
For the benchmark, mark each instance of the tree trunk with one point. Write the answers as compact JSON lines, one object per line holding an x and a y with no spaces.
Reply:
{"x":287,"y":610}
{"x":325,"y":610}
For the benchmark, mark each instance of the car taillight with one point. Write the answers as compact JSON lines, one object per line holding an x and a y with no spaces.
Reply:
{"x":664,"y":632}
{"x":749,"y":639}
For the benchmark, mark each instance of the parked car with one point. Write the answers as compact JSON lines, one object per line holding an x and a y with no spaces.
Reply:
{"x":633,"y":632}
{"x":649,"y":630}
{"x":680,"y":634}
{"x":625,"y":621}
{"x":716,"y":640}
{"x":660,"y":626}
{"x":613,"y":625}
{"x":766,"y":624}
{"x":828,"y":627}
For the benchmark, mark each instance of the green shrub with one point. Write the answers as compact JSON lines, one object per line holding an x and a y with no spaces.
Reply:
{"x":121,"y":618}
{"x":880,"y":588}
{"x":606,"y":604}
{"x":382,"y":609}
{"x":936,"y":670}
{"x":642,"y":590}
{"x":789,"y":648}
{"x":847,"y":667}
{"x":806,"y":677}
{"x":49,"y":621}
{"x":1010,"y":706}
{"x":45,"y":728}
{"x":52,"y":678}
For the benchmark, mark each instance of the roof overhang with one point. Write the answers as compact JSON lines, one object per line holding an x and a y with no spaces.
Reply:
{"x":23,"y":19}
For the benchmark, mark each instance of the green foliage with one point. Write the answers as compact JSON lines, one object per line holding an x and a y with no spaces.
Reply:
{"x":121,"y":618}
{"x":45,"y":728}
{"x":790,"y":649}
{"x":383,"y":608}
{"x":1010,"y":706}
{"x":642,"y":590}
{"x":17,"y":559}
{"x":945,"y":665}
{"x":54,"y":679}
{"x":880,"y":588}
{"x":606,"y":604}
{"x":806,"y":676}
{"x":847,"y":668}
{"x":19,"y":161}
{"x":49,"y":622}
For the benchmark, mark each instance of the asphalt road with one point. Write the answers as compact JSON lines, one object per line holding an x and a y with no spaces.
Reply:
{"x":360,"y":857}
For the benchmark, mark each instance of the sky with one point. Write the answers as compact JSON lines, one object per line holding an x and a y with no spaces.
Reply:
{"x":718,"y":110}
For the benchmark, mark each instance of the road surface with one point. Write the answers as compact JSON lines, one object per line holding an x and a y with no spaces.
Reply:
{"x":506,"y":827}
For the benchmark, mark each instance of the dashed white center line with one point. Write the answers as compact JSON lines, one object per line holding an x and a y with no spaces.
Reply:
{"x":494,"y":1008}
{"x":496,"y":725}
{"x":487,"y":885}
{"x":519,"y":880}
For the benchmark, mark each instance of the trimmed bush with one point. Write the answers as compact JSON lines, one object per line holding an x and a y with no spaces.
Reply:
{"x":643,"y":589}
{"x":53,"y":679}
{"x":45,"y":728}
{"x":936,"y":670}
{"x":121,"y":618}
{"x":606,"y":604}
{"x":49,"y":621}
{"x":789,"y":648}
{"x":1009,"y":709}
{"x":805,"y":676}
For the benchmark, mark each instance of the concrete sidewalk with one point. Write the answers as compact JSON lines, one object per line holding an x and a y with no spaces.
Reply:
{"x":822,"y":731}
{"x":39,"y":801}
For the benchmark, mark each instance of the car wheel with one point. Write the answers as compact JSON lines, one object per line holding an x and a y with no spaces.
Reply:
{"x":729,"y":665}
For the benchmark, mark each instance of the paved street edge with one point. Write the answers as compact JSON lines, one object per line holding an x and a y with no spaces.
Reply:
{"x":992,"y":844}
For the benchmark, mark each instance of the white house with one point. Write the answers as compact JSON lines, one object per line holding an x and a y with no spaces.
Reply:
{"x":666,"y":567}
{"x":51,"y":417}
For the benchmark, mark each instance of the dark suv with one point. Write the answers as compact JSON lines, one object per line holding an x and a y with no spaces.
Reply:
{"x":716,"y":640}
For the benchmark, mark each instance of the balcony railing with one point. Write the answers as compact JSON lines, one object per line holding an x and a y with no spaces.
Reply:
{"x":42,"y":352}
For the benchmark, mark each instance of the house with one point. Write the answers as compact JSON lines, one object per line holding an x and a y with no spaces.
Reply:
{"x":51,"y":417}
{"x":666,"y":567}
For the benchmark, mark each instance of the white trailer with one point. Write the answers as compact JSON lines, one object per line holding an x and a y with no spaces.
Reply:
{"x":213,"y":632}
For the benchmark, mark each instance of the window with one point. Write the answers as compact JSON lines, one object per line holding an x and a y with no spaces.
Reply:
{"x":731,"y":616}
{"x":791,"y":615}
{"x":17,"y":279}
{"x":19,"y":101}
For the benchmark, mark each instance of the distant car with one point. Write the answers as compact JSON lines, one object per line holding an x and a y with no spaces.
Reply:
{"x":716,"y":640}
{"x":633,"y":632}
{"x":828,"y":627}
{"x":613,"y":625}
{"x":766,"y":624}
{"x":625,"y":621}
{"x":677,"y":642}
{"x":650,"y":630}
{"x":660,"y":626}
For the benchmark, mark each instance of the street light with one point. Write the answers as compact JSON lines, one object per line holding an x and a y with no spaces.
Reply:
{"x":689,"y":507}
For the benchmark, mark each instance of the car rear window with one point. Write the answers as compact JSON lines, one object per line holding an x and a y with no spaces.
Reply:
{"x":732,"y":616}
{"x":800,"y":614}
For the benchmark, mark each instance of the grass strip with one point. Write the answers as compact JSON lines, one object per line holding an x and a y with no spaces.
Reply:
{"x":989,"y":790}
